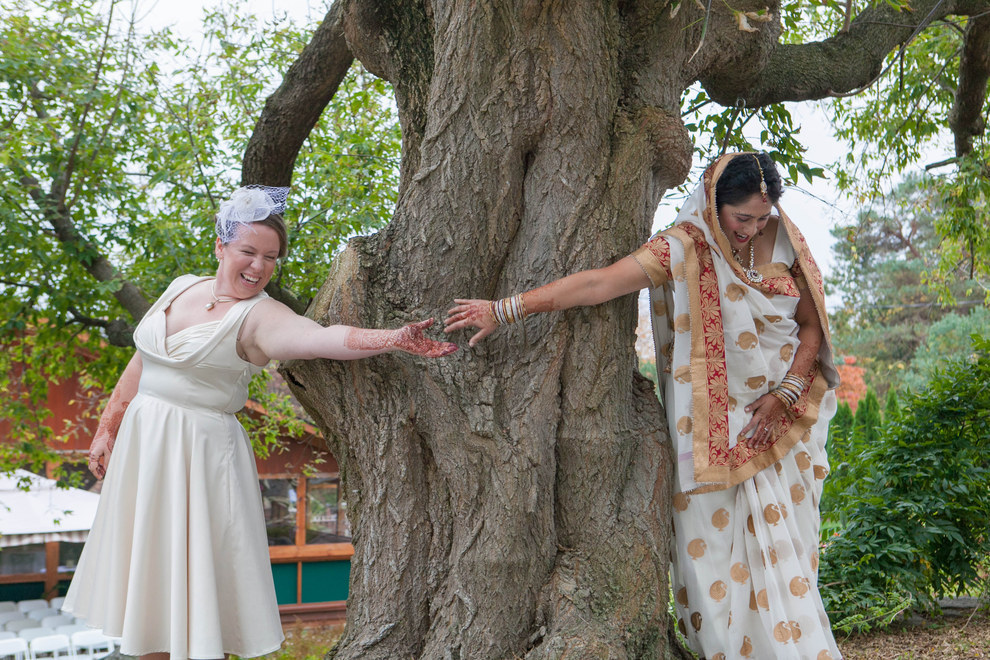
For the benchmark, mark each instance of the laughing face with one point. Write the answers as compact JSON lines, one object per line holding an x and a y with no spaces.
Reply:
{"x":247,"y":262}
{"x":741,"y":222}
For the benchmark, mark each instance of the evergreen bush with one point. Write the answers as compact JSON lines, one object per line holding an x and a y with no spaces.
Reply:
{"x":915,"y":514}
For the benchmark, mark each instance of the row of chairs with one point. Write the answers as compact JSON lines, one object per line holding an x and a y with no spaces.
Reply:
{"x":31,"y":604}
{"x":16,"y":624}
{"x":41,"y":631}
{"x":81,"y":645}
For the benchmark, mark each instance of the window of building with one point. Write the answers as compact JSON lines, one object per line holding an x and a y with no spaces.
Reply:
{"x":68,"y":556}
{"x":309,"y":541}
{"x":279,"y":497}
{"x":21,"y":559}
{"x":326,"y":512}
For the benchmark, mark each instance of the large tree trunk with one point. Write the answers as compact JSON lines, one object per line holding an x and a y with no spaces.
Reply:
{"x":512,"y":500}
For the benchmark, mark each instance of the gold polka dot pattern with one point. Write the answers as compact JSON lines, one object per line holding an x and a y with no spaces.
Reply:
{"x":739,"y":572}
{"x":755,"y":382}
{"x":800,"y":586}
{"x":747,"y":340}
{"x":735,"y":292}
{"x":797,"y":493}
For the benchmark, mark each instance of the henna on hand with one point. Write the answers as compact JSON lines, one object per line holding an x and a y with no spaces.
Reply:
{"x":106,"y":433}
{"x":766,"y":410}
{"x":408,"y":338}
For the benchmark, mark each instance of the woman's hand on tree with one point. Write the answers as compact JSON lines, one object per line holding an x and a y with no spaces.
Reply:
{"x":410,"y":338}
{"x":471,"y":313}
{"x":766,"y":411}
{"x":99,"y":454}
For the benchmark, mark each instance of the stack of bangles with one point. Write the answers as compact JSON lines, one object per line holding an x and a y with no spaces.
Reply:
{"x":789,"y":390}
{"x":508,"y":310}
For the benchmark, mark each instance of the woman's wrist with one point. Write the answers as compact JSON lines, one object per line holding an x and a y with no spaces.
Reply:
{"x":508,"y":310}
{"x":790,"y":389}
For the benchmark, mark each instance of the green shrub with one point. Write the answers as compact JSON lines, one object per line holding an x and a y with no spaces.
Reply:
{"x":915,"y":519}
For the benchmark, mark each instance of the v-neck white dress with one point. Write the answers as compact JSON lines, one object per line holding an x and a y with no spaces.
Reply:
{"x":177,"y":559}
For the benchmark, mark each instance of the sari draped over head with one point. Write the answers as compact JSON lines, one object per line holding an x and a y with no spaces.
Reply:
{"x":722,"y":341}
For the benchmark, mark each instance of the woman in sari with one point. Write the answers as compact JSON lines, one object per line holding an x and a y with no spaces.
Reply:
{"x":745,"y":364}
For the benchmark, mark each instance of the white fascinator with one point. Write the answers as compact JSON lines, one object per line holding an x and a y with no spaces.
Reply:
{"x":246,"y":205}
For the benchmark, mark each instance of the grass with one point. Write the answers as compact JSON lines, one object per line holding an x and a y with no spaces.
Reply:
{"x":306,"y":642}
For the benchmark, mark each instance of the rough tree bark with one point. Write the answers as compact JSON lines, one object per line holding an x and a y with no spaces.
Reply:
{"x":512,"y":500}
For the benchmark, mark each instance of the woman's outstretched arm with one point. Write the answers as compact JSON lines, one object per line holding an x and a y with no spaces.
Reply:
{"x":274,"y":332}
{"x":588,"y":287}
{"x":106,"y":432}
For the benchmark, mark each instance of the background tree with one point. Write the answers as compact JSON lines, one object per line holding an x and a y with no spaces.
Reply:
{"x":890,"y":272}
{"x":512,"y":500}
{"x":939,"y":72}
{"x":117,"y":144}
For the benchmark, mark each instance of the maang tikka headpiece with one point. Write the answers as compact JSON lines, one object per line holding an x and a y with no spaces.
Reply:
{"x":249,"y":204}
{"x":763,"y":180}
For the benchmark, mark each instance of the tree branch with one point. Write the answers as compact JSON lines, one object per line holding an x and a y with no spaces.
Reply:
{"x":966,"y":116}
{"x":290,"y":114}
{"x":54,"y":211}
{"x":118,"y":331}
{"x":839,"y":64}
{"x":293,"y":109}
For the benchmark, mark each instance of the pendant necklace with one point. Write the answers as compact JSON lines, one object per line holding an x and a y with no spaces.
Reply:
{"x":751,"y":273}
{"x":222,"y":299}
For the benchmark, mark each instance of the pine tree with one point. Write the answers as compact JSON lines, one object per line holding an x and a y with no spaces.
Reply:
{"x":866,"y":422}
{"x":892,"y":408}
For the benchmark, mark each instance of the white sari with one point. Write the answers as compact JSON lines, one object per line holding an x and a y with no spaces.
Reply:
{"x":746,"y":521}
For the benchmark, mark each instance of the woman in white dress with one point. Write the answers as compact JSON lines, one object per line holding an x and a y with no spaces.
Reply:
{"x":746,"y":372}
{"x":176,"y":564}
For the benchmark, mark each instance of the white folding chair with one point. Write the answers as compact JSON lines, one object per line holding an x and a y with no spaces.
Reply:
{"x":6,"y":634}
{"x":11,"y":616}
{"x":8,"y":606}
{"x":56,"y":603}
{"x":57,"y":620}
{"x":13,"y":649}
{"x":40,"y":614}
{"x":32,"y":604}
{"x":69,"y":628}
{"x":19,"y":624}
{"x":91,"y":644}
{"x":35,"y":633}
{"x":56,"y":645}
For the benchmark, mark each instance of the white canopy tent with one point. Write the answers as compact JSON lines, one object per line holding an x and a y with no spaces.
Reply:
{"x":44,"y":512}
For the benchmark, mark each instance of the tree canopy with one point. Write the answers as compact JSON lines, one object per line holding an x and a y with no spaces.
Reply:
{"x":119,"y":142}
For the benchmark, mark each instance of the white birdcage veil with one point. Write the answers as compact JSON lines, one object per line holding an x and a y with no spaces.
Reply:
{"x":246,"y":205}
